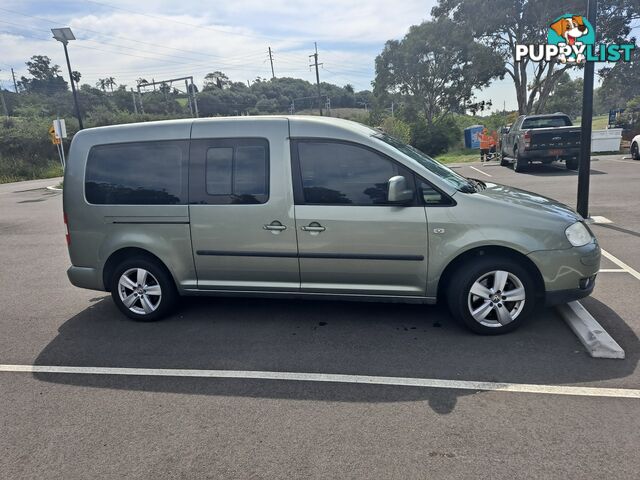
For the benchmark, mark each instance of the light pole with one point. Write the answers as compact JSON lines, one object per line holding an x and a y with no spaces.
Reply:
{"x":584,"y":168}
{"x":64,"y":35}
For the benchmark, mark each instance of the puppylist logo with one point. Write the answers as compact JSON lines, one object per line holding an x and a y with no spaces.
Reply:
{"x":571,"y":39}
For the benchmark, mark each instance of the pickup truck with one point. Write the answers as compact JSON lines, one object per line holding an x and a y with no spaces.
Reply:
{"x":542,"y":138}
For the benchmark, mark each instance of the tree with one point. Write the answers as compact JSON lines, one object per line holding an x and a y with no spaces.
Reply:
{"x":45,"y":78}
{"x":102,"y":84}
{"x":566,"y":97}
{"x":110,"y":82}
{"x":437,"y":67}
{"x":620,"y":83}
{"x":76,"y":76}
{"x":503,"y":24}
{"x":216,"y":80}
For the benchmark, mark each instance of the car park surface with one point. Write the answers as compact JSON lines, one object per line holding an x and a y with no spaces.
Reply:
{"x":80,"y":425}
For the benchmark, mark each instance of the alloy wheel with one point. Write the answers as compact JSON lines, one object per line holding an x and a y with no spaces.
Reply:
{"x":139,"y":291}
{"x":496,"y":298}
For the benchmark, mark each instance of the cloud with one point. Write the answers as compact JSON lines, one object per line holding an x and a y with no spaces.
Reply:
{"x":169,"y":38}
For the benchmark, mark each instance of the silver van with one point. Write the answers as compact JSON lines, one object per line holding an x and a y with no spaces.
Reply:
{"x":309,"y":207}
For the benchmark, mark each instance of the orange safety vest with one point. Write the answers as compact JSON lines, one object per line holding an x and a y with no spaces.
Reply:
{"x":485,"y":141}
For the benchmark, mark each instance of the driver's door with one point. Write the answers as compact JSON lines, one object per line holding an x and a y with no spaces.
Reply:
{"x":350,"y":239}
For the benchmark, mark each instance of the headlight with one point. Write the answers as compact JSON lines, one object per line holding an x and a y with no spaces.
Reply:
{"x":578,"y":235}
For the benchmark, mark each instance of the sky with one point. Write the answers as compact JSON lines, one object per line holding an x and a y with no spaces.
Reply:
{"x":165,"y":39}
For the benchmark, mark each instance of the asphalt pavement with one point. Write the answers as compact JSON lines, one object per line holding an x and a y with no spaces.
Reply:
{"x":141,"y":426}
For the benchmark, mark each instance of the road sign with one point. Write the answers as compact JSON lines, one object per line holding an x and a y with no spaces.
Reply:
{"x":60,"y":128}
{"x":52,"y":134}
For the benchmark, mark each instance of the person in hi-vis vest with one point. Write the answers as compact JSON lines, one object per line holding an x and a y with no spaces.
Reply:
{"x":485,"y":144}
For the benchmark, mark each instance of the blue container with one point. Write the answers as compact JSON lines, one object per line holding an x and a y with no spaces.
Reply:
{"x":471,"y":139}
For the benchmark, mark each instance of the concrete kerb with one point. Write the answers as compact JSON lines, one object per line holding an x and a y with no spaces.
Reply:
{"x":591,"y":334}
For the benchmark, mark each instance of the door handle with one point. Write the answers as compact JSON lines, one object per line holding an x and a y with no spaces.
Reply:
{"x":313,"y":227}
{"x":275,"y":226}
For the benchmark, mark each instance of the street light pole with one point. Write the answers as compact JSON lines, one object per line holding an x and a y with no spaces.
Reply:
{"x":584,"y":169}
{"x":73,"y":87}
{"x":63,"y":35}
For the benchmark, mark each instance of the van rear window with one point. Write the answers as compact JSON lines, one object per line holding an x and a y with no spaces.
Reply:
{"x":141,"y":173}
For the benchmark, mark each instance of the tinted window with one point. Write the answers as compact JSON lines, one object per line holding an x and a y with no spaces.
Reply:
{"x":339,"y":173}
{"x":145,"y":173}
{"x":238,"y":173}
{"x":431,"y":196}
{"x":219,"y":171}
{"x":545,"y":122}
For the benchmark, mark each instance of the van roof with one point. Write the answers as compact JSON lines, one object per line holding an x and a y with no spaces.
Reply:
{"x":302,"y":119}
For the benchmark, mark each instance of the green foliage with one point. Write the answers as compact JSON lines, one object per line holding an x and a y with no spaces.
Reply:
{"x":26,"y":151}
{"x":437,"y":66}
{"x":397,"y":128}
{"x":619,"y":83}
{"x":566,"y":97}
{"x":436,"y":138}
{"x":503,"y":24}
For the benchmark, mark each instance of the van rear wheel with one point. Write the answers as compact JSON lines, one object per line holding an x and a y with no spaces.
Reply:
{"x":143,"y":290}
{"x":491,"y":296}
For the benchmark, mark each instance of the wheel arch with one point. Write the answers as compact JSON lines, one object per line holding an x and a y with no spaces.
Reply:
{"x":120,"y":255}
{"x":492,"y":250}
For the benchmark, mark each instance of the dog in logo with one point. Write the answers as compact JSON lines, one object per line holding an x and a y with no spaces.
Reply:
{"x":571,"y":29}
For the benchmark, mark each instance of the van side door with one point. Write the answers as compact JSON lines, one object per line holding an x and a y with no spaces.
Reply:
{"x":351,"y":240}
{"x":240,"y":206}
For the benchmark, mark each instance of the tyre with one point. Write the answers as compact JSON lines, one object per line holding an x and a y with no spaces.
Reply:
{"x":572,"y":163}
{"x":492,"y":295}
{"x":143,"y":289}
{"x":635,"y":151}
{"x":519,"y":165}
{"x":503,"y":161}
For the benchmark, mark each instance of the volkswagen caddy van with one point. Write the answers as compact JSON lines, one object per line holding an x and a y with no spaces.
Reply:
{"x":309,"y":207}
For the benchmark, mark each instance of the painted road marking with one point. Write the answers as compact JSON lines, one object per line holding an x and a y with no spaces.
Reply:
{"x":612,"y":270}
{"x":621,"y":161}
{"x":599,"y":219}
{"x":621,"y":264}
{"x":484,"y":173}
{"x":334,"y":378}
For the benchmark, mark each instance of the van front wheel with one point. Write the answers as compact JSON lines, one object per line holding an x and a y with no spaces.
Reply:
{"x":143,"y":290}
{"x":492,"y":296}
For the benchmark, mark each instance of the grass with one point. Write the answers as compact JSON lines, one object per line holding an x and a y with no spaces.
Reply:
{"x":17,"y":172}
{"x":599,"y":122}
{"x":459,"y":156}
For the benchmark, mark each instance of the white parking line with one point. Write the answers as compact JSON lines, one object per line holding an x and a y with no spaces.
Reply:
{"x":334,"y":378}
{"x":484,"y":173}
{"x":621,"y":161}
{"x":612,"y":270}
{"x":621,"y":264}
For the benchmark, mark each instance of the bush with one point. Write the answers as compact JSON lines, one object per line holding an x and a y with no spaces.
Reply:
{"x":397,"y":128}
{"x":436,"y":138}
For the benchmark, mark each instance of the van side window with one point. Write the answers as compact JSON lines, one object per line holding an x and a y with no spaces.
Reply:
{"x":337,"y":173}
{"x":229,"y":171}
{"x":140,"y":173}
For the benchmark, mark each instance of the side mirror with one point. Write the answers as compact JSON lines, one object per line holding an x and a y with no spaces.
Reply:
{"x":399,"y":191}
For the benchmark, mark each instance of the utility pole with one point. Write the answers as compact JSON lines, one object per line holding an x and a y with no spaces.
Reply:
{"x":273,"y":75}
{"x":584,"y":168}
{"x":135,"y":104}
{"x":15,"y":85}
{"x":73,"y":88}
{"x":316,"y":64}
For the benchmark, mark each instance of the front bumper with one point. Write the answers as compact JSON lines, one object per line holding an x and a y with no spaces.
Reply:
{"x":568,"y":274}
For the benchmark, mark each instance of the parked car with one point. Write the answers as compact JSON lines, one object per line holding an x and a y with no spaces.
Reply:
{"x":634,"y":149}
{"x":541,"y":138}
{"x":309,"y":207}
